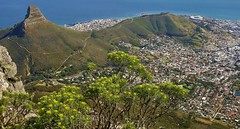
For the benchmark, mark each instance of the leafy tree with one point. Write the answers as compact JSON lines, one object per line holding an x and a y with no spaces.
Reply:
{"x":114,"y":103}
{"x":150,"y":102}
{"x":14,"y":108}
{"x":129,"y":66}
{"x":121,"y":100}
{"x":104,"y":98}
{"x":175,"y":93}
{"x":148,"y":105}
{"x":64,"y":109}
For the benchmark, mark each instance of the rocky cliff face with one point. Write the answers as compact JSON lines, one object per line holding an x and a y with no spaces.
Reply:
{"x":8,"y":70}
{"x":33,"y":16}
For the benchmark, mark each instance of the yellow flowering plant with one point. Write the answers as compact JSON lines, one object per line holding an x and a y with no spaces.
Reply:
{"x":65,"y":108}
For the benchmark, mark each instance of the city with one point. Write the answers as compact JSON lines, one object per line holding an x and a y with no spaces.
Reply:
{"x":210,"y":72}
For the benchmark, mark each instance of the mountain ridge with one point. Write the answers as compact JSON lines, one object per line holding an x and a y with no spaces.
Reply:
{"x":42,"y":45}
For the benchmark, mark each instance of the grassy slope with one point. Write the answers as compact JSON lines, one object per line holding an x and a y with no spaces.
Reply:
{"x":61,"y":42}
{"x":181,"y":120}
{"x":50,"y":45}
{"x":132,"y":29}
{"x":4,"y":32}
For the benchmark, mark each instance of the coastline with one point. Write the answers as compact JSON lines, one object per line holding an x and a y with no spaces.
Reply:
{"x":150,"y":13}
{"x":97,"y":24}
{"x":133,"y":15}
{"x":75,"y":11}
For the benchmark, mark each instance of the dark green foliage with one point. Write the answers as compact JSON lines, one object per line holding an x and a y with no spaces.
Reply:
{"x":93,"y":35}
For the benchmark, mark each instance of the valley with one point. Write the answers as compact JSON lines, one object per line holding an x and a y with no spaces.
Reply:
{"x":201,"y":55}
{"x":209,"y":72}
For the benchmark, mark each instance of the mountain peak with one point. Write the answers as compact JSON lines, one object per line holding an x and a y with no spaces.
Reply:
{"x":33,"y":16}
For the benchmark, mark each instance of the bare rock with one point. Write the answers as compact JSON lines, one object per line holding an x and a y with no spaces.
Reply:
{"x":8,"y":71}
{"x":33,"y":16}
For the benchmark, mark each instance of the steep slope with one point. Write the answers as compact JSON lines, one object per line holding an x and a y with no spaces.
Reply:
{"x":37,"y":44}
{"x":8,"y":70}
{"x":145,"y":26}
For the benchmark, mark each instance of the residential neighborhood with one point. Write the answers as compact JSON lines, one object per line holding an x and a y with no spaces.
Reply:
{"x":209,"y":72}
{"x":94,"y":24}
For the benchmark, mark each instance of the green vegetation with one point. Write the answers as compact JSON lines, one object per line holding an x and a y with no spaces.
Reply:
{"x":65,"y":109}
{"x":14,"y":108}
{"x":45,"y":46}
{"x":4,"y":32}
{"x":122,"y":62}
{"x":127,"y":99}
{"x":91,"y":66}
{"x":141,"y":105}
{"x":147,"y":26}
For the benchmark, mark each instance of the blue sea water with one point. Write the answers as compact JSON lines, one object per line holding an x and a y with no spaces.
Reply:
{"x":72,"y":11}
{"x":237,"y":93}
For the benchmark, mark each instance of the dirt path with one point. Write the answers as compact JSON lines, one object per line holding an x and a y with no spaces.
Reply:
{"x":218,"y":109}
{"x":20,"y":45}
{"x":66,"y":60}
{"x":24,"y":48}
{"x":85,"y":44}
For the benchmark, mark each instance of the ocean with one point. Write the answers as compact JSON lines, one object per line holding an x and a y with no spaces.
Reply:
{"x":72,"y":11}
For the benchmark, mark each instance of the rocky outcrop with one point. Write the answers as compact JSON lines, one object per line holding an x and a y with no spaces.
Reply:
{"x":33,"y":16}
{"x":8,"y":70}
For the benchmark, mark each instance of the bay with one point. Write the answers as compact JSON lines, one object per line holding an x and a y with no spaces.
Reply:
{"x":72,"y":11}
